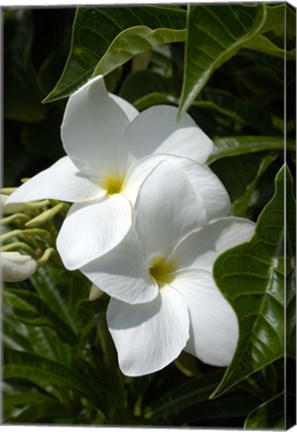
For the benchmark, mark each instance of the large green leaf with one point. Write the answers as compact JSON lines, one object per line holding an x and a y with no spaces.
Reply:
{"x":234,"y":146}
{"x":42,"y":371}
{"x":133,"y":41}
{"x":264,"y":44}
{"x":252,"y":278}
{"x":215,"y":34}
{"x":95,"y":29}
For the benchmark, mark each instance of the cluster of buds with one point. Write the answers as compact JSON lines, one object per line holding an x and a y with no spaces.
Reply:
{"x":28,"y":236}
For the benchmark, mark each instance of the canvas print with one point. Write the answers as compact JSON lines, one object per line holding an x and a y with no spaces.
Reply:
{"x":148,"y":215}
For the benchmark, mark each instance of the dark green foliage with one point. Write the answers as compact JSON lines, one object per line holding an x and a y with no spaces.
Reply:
{"x":225,"y":64}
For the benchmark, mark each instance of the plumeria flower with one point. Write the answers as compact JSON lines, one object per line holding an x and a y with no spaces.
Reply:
{"x":111,"y":149}
{"x":16,"y":267}
{"x":163,"y":296}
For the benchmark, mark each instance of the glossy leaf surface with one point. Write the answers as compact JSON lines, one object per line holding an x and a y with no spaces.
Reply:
{"x":214,"y":36}
{"x":95,"y":30}
{"x":251,"y":276}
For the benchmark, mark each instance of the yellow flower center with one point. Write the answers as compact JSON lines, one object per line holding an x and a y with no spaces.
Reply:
{"x":162,"y":271}
{"x":112,"y":184}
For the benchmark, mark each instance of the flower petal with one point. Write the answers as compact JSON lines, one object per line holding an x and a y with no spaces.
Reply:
{"x":149,"y":336}
{"x":92,"y":127}
{"x":122,"y":273}
{"x":207,"y":185}
{"x":214,"y":325}
{"x":128,"y":109}
{"x":156,"y":130}
{"x":91,"y":230}
{"x":166,"y":210}
{"x":200,"y":248}
{"x":61,"y":181}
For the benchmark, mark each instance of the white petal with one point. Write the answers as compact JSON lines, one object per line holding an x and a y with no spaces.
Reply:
{"x":128,"y":109}
{"x":91,"y":230}
{"x":122,"y":273}
{"x":166,"y":210}
{"x":62,"y":181}
{"x":213,"y":322}
{"x":156,"y":130}
{"x":207,"y":185}
{"x":16,"y":267}
{"x":202,"y":247}
{"x":149,"y":336}
{"x":92,"y":127}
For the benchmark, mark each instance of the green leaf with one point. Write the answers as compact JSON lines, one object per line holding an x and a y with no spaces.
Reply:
{"x":264,"y":44}
{"x":251,"y":277}
{"x":269,"y":415}
{"x":215,"y":34}
{"x":237,"y":172}
{"x":191,"y":393}
{"x":146,"y":88}
{"x":47,"y":284}
{"x":47,"y":344}
{"x":30,"y":309}
{"x":42,"y":411}
{"x":95,"y":30}
{"x":234,"y":146}
{"x":14,"y":334}
{"x":240,"y":206}
{"x":220,"y":411}
{"x":262,"y":384}
{"x":42,"y":371}
{"x":133,"y":41}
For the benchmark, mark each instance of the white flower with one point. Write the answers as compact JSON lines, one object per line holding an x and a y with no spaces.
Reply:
{"x":16,"y":267}
{"x":111,"y":149}
{"x":163,"y":296}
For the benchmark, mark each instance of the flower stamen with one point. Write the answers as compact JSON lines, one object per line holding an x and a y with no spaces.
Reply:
{"x":112,"y":184}
{"x":162,"y":271}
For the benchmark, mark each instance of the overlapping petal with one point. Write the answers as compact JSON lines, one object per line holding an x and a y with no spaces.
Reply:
{"x":214,"y":325}
{"x":166,"y":209}
{"x":156,"y":130}
{"x":202,"y":247}
{"x":151,"y":335}
{"x":208,"y":186}
{"x":128,"y":109}
{"x":123,"y":273}
{"x":62,"y":181}
{"x":92,"y":128}
{"x":93,"y":229}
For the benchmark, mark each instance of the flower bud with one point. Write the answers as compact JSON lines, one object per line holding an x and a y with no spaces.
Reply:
{"x":10,"y":208}
{"x":95,"y":293}
{"x":16,"y":267}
